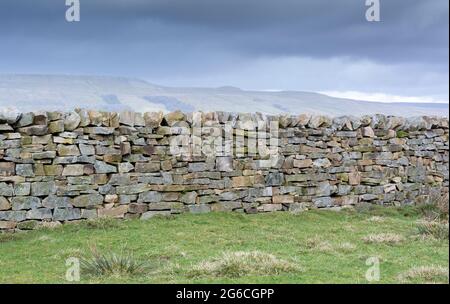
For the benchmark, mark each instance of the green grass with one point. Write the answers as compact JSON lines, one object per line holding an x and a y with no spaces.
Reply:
{"x":311,"y":247}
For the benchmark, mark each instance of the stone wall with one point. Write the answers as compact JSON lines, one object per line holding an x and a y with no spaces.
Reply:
{"x":57,"y":167}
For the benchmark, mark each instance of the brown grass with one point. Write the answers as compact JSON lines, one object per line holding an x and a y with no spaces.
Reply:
{"x":243,"y":263}
{"x":427,"y":274}
{"x":384,"y":238}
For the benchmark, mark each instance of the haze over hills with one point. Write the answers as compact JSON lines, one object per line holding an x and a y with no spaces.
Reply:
{"x":57,"y":92}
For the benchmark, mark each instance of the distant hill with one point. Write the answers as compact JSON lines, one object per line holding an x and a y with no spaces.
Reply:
{"x":57,"y":92}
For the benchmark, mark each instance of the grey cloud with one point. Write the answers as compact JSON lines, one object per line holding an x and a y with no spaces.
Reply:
{"x":178,"y":38}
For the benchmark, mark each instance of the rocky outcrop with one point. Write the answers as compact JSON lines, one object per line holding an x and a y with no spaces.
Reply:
{"x":59,"y":167}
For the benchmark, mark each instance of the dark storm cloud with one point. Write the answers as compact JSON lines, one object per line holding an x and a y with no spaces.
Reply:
{"x":410,"y":30}
{"x":175,"y":37}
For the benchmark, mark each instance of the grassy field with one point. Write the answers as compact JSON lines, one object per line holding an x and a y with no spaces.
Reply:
{"x":311,"y":247}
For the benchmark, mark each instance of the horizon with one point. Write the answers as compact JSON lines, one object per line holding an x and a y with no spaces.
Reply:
{"x":350,"y":95}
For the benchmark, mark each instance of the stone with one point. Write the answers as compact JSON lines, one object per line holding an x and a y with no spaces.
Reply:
{"x":233,"y":195}
{"x":25,"y":120}
{"x":241,"y":181}
{"x":99,"y":130}
{"x":282,"y":199}
{"x":150,"y":197}
{"x":86,"y":149}
{"x":7,"y":168}
{"x":318,"y":121}
{"x":303,"y":120}
{"x":274,"y":179}
{"x":271,"y":207}
{"x":14,"y":216}
{"x":40,"y":118}
{"x":53,"y":170}
{"x":224,"y":164}
{"x":112,"y":158}
{"x":54,"y":115}
{"x":68,"y":214}
{"x":71,"y":121}
{"x":6,"y":189}
{"x":227,"y":206}
{"x":303,"y":163}
{"x":42,"y":140}
{"x":354,"y":178}
{"x":137,"y":208}
{"x":53,"y":201}
{"x":197,"y":167}
{"x":323,"y":202}
{"x":43,"y":188}
{"x":174,"y":117}
{"x":39,"y":214}
{"x":9,"y":116}
{"x":189,"y":198}
{"x":111,"y":198}
{"x":166,"y":165}
{"x":7,"y":225}
{"x":4,"y":204}
{"x":150,"y":214}
{"x":153,"y":119}
{"x":44,"y":155}
{"x":368,"y":197}
{"x":89,"y":213}
{"x":22,"y":189}
{"x":132,"y":189}
{"x":103,"y":168}
{"x":68,"y":150}
{"x":147,"y":167}
{"x":6,"y":128}
{"x":117,"y":212}
{"x":73,"y":170}
{"x":322,"y":163}
{"x":34,"y":130}
{"x":198,"y":209}
{"x":127,"y":118}
{"x":88,"y":200}
{"x":56,"y":126}
{"x":389,"y":188}
{"x":323,"y":189}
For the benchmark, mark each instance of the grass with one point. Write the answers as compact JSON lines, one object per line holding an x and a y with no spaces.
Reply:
{"x":244,"y":263}
{"x":433,"y":229}
{"x":429,"y":274}
{"x":310,"y":247}
{"x":384,"y":238}
{"x":111,"y":264}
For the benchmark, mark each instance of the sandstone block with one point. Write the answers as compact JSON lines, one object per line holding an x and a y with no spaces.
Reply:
{"x":88,"y":200}
{"x":67,"y":214}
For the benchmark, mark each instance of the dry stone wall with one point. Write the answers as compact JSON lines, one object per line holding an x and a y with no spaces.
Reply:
{"x":58,"y":167}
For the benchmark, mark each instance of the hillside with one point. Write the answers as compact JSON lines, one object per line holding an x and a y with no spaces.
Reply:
{"x":57,"y":92}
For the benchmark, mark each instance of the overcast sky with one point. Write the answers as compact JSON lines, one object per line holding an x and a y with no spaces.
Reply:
{"x":309,"y":45}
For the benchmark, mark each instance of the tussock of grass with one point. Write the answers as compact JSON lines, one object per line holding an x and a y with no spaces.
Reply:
{"x":435,"y":208}
{"x":112,"y":264}
{"x":384,"y":238}
{"x":433,"y":229}
{"x":318,"y":245}
{"x":427,"y":274}
{"x":243,"y":263}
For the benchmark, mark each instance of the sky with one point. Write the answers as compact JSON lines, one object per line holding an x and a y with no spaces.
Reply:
{"x":304,"y":45}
